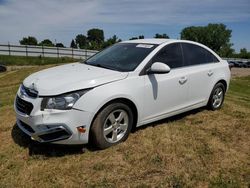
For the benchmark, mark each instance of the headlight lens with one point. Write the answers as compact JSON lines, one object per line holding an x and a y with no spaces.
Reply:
{"x":62,"y":102}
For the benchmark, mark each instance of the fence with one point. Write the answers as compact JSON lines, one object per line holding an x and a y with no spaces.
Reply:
{"x":44,"y":51}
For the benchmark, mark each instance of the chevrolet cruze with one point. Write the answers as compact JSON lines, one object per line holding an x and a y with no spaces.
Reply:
{"x":127,"y":85}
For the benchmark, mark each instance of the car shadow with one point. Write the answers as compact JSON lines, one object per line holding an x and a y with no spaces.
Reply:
{"x":54,"y":150}
{"x":45,"y":149}
{"x":169,"y":119}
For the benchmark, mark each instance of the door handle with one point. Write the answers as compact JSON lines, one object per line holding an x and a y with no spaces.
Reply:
{"x":183,"y":80}
{"x":210,"y":73}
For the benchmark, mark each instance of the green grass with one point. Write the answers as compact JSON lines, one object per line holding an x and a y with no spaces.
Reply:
{"x":22,"y":60}
{"x":197,"y":149}
{"x":240,"y":89}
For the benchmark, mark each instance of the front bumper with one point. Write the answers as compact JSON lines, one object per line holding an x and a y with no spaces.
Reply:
{"x":52,"y":134}
{"x":55,"y":126}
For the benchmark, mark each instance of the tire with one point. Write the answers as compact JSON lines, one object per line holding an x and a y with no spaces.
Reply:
{"x":3,"y":68}
{"x":117,"y":120}
{"x":217,"y":96}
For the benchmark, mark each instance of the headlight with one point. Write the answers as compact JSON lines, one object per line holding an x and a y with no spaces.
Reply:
{"x":62,"y":102}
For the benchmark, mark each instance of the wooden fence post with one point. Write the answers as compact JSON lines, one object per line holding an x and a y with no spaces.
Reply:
{"x":72,"y":53}
{"x":26,"y":50}
{"x":57,"y":52}
{"x":43,"y":50}
{"x":9,"y":48}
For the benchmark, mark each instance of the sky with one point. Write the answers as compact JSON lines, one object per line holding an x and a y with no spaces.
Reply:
{"x":62,"y":20}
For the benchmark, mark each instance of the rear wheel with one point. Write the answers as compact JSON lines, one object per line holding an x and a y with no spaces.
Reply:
{"x":112,"y":125}
{"x":217,"y":97}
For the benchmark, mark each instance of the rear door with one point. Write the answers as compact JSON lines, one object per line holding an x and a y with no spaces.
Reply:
{"x":201,"y":68}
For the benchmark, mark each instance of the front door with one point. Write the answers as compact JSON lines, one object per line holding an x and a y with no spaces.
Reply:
{"x":166,"y":93}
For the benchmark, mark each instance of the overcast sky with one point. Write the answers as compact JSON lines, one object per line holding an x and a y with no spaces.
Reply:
{"x":62,"y":20}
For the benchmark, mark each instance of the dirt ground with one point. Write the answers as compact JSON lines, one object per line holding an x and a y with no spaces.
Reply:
{"x":239,"y":72}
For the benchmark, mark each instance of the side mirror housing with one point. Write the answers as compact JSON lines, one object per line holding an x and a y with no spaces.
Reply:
{"x":158,"y":68}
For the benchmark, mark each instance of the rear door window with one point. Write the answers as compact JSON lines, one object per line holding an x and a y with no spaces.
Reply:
{"x":195,"y":55}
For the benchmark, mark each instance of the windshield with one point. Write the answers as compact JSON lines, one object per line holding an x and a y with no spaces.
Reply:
{"x":122,"y":56}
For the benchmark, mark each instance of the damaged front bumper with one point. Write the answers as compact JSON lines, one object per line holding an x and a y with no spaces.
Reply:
{"x":51,"y":133}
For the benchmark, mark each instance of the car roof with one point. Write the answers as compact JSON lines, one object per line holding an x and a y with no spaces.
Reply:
{"x":150,"y":41}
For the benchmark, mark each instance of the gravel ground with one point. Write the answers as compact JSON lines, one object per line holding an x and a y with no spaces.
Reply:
{"x":239,"y":72}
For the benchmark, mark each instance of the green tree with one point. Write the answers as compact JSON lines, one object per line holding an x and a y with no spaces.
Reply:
{"x":46,"y":42}
{"x":164,"y":36}
{"x":215,"y":36}
{"x":139,"y":37}
{"x":28,"y":41}
{"x":244,"y":53}
{"x":81,"y":41}
{"x":60,"y":45}
{"x":133,"y":38}
{"x":95,"y":38}
{"x":226,"y":51}
{"x":73,"y":44}
{"x":111,"y":41}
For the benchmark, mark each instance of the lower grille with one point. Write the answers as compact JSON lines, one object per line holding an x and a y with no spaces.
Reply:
{"x":27,"y":127}
{"x":59,"y":135}
{"x":23,"y":106}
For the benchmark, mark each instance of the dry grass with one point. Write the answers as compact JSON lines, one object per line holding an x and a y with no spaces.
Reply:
{"x":196,"y":149}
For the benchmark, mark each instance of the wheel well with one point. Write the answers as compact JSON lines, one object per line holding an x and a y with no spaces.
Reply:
{"x":224,"y":83}
{"x":128,"y":102}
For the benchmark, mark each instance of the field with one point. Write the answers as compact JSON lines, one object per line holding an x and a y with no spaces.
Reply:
{"x":22,"y":60}
{"x":197,"y":149}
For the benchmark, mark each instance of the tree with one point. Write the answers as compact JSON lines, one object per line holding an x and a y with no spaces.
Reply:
{"x":28,"y":41}
{"x":46,"y":42}
{"x":164,"y":36}
{"x":95,"y":38}
{"x":60,"y":45}
{"x":133,"y":38}
{"x":215,"y":36}
{"x":81,"y":41}
{"x":244,"y":53}
{"x":139,"y":37}
{"x":226,"y":51}
{"x":73,"y":44}
{"x":111,"y":41}
{"x":96,"y":35}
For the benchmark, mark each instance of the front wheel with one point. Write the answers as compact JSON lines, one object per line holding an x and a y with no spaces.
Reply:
{"x":217,"y":97}
{"x":112,"y":125}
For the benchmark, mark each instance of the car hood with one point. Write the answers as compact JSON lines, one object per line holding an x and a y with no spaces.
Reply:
{"x":70,"y":77}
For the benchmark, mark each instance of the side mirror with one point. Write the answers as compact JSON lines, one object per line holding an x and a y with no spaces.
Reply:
{"x":158,"y":68}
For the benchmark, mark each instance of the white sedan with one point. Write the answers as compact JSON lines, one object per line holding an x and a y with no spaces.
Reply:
{"x":127,"y":85}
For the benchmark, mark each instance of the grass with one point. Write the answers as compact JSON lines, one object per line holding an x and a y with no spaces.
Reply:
{"x":197,"y":149}
{"x":22,"y":60}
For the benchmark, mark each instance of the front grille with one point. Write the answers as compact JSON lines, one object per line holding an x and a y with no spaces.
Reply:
{"x":23,"y":106}
{"x":27,"y":127}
